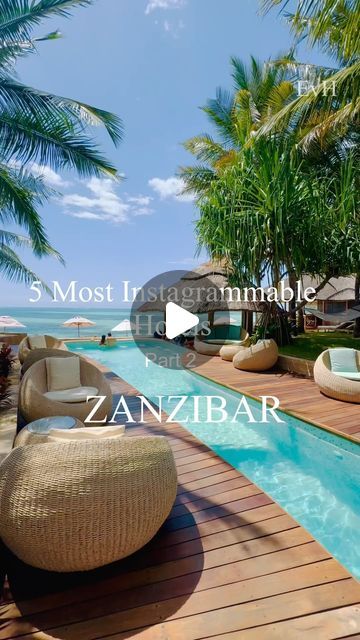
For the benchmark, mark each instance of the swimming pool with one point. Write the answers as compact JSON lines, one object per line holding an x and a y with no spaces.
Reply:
{"x":312,"y":474}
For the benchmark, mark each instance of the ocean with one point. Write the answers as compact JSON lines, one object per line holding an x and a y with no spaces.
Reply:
{"x":49,"y":320}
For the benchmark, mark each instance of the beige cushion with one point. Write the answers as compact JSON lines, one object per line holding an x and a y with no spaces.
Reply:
{"x":78,"y":394}
{"x":63,"y":373}
{"x":86,"y":433}
{"x":37,"y":342}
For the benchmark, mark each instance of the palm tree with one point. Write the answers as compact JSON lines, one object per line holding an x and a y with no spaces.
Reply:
{"x":260,"y":90}
{"x":36,"y":126}
{"x":330,"y":108}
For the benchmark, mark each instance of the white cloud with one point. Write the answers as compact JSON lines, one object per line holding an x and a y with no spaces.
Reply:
{"x":174,"y":28}
{"x":104,"y":203}
{"x":153,"y":5}
{"x":170,"y":189}
{"x":50,"y":176}
{"x":86,"y":215}
{"x":141,"y":201}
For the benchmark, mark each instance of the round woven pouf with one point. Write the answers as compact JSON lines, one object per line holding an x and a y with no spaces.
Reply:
{"x":228,"y":351}
{"x":40,"y":435}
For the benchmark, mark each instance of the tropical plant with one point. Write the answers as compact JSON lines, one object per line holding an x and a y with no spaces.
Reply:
{"x":36,"y":126}
{"x":260,"y":90}
{"x":6,"y":360}
{"x":269,"y":216}
{"x":5,"y":396}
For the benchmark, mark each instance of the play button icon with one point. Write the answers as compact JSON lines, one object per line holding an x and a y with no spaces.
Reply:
{"x":178,"y":320}
{"x":173,"y":312}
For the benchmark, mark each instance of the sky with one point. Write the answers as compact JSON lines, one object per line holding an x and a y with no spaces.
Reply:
{"x":154,"y":63}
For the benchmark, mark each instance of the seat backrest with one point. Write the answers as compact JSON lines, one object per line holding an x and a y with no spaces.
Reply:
{"x":343,"y":360}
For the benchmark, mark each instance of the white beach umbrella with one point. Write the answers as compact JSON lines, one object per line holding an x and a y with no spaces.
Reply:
{"x":125,"y":325}
{"x":78,"y":322}
{"x":8,"y":321}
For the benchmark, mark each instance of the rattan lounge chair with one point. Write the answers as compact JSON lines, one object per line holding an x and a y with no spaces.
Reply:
{"x":333,"y":385}
{"x":38,"y":354}
{"x":81,"y":505}
{"x":51,"y":343}
{"x":33,"y":404}
{"x":259,"y":357}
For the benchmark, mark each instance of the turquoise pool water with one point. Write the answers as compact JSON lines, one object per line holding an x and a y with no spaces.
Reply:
{"x":312,"y":474}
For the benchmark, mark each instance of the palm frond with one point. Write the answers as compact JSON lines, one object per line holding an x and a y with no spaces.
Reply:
{"x":344,"y":84}
{"x":329,"y":127}
{"x":205,"y":148}
{"x":15,"y":96}
{"x":334,"y":24}
{"x":239,"y":73}
{"x":20,"y":194}
{"x":197,"y":178}
{"x":19,"y":17}
{"x":14,"y":239}
{"x":245,"y":115}
{"x":56,"y":143}
{"x":279,"y":96}
{"x":219,"y":111}
{"x":13,"y":269}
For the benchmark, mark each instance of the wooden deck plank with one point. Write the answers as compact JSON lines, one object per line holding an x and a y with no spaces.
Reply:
{"x":298,"y":395}
{"x":322,"y":626}
{"x":228,"y":561}
{"x":272,"y":598}
{"x":242,"y":616}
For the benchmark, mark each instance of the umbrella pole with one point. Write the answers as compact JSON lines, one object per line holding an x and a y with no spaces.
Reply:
{"x":78,"y":331}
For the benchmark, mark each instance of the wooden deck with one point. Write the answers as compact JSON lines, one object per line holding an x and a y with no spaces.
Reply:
{"x":229,"y":563}
{"x":300,"y":396}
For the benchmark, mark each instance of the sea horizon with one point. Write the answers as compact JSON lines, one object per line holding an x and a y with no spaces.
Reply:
{"x":49,"y":320}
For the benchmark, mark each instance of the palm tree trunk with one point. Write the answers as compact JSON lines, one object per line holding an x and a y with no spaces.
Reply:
{"x":356,"y":333}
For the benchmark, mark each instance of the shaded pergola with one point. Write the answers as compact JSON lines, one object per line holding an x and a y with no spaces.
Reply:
{"x":201,"y":280}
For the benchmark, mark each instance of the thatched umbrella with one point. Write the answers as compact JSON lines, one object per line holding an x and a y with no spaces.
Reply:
{"x":201,"y":281}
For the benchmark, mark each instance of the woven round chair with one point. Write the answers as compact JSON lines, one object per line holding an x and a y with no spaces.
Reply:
{"x":213,"y":347}
{"x":335,"y":386}
{"x":81,"y":505}
{"x":259,"y":357}
{"x":38,"y":354}
{"x":51,"y":343}
{"x":34,"y":405}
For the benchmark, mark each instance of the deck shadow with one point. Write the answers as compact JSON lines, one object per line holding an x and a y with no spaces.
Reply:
{"x":42,"y":597}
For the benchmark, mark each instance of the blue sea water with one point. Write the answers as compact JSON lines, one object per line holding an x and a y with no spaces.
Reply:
{"x":50,"y":320}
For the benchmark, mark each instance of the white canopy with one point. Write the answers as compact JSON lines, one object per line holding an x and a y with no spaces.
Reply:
{"x":78,"y":322}
{"x":124,"y":325}
{"x":8,"y":321}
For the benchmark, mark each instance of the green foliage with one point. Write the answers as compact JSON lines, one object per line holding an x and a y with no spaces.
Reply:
{"x":310,"y":345}
{"x":270,"y":214}
{"x":259,"y":91}
{"x":332,"y":24}
{"x":331,"y":108}
{"x":6,"y":360}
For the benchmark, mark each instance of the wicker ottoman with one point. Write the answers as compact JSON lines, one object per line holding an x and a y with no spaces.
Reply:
{"x":80,"y":505}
